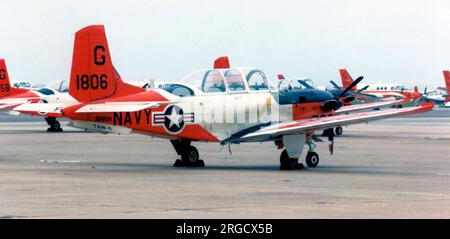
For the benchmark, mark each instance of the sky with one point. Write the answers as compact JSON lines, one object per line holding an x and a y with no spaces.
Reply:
{"x":402,"y":41}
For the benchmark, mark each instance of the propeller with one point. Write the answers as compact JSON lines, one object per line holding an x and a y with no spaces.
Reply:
{"x":352,"y":97}
{"x":361,"y":90}
{"x":353,"y":84}
{"x":306,"y":85}
{"x":335,"y":85}
{"x":336,"y":103}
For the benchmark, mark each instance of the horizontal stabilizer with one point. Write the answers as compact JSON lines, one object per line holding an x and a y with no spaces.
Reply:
{"x":119,"y":107}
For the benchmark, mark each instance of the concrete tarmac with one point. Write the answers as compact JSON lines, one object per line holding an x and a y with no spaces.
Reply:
{"x":396,"y":168}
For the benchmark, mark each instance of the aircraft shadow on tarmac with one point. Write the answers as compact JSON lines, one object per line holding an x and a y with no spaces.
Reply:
{"x":324,"y":169}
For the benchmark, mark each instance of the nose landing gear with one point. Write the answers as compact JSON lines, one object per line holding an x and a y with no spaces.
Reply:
{"x":312,"y":158}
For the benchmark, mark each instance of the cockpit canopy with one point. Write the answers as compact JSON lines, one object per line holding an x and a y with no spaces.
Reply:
{"x":22,"y":84}
{"x":61,"y":86}
{"x":231,"y":80}
{"x":47,"y":91}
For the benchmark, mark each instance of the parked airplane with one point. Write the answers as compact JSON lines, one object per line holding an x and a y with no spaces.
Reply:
{"x":441,"y":95}
{"x":377,"y":92}
{"x":224,"y":105}
{"x":11,"y":97}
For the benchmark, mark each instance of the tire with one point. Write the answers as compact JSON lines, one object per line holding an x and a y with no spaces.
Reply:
{"x":312,"y":159}
{"x":57,"y":127}
{"x":338,"y":131}
{"x":399,"y":106}
{"x":287,"y":163}
{"x":190,"y":156}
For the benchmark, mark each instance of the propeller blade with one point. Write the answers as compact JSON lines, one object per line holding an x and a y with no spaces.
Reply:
{"x":303,"y":83}
{"x":335,"y":85}
{"x":353,"y":84}
{"x":361,"y":90}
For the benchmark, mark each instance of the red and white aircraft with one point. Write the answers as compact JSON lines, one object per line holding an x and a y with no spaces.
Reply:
{"x":377,"y":92}
{"x":447,"y":84}
{"x":223,"y":105}
{"x":442,"y":94}
{"x":12,"y":97}
{"x":14,"y":101}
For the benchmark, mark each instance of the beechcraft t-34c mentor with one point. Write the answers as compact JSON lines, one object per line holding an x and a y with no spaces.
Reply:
{"x":224,"y":105}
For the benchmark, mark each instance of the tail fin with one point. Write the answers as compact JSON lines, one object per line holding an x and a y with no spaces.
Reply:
{"x":93,"y":76}
{"x":416,"y":89}
{"x":222,"y":63}
{"x":346,"y":79}
{"x":5,"y":84}
{"x":447,"y":84}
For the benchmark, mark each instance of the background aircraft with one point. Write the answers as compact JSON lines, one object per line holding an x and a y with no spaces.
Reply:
{"x":381,"y":91}
{"x":441,"y":95}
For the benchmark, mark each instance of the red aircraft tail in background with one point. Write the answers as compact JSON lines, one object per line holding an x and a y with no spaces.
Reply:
{"x":222,"y":63}
{"x":447,"y":84}
{"x":346,"y":79}
{"x":5,"y":85}
{"x":93,"y":76}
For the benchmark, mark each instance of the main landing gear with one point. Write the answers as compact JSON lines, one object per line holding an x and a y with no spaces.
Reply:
{"x":291,"y":163}
{"x":338,"y":131}
{"x":55,"y":126}
{"x":287,"y":163}
{"x":189,"y":154}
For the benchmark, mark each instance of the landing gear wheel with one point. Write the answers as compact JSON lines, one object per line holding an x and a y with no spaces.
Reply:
{"x":190,"y":158}
{"x":399,"y":106}
{"x":338,"y":131}
{"x":312,"y":159}
{"x":55,"y":126}
{"x":287,"y":163}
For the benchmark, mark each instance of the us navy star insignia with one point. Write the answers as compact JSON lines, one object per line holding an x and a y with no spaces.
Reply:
{"x":173,"y":119}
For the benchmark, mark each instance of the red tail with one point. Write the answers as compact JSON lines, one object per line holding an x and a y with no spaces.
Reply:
{"x":93,"y":75}
{"x":222,"y":63}
{"x":5,"y":85}
{"x":346,"y":79}
{"x":447,"y":84}
{"x":281,"y":77}
{"x":416,"y":89}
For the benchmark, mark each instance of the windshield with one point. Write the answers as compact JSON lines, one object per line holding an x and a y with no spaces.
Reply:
{"x":228,"y":80}
{"x":46,"y":91}
{"x":61,"y":86}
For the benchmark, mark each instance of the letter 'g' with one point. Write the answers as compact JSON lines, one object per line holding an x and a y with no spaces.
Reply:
{"x":102,"y":59}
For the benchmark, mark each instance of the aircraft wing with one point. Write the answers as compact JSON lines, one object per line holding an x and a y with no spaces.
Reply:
{"x":120,"y":106}
{"x":368,"y":106}
{"x":41,"y":109}
{"x":310,"y":125}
